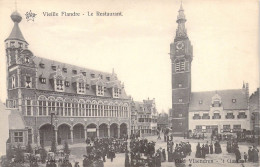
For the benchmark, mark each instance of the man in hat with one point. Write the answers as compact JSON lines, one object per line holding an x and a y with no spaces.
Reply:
{"x":250,"y":154}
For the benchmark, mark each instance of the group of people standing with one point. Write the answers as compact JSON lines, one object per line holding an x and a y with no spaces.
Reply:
{"x":201,"y":151}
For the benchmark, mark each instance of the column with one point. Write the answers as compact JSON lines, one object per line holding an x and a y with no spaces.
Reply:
{"x":97,"y":132}
{"x":56,"y":136}
{"x":118,"y":132}
{"x":71,"y":136}
{"x":108,"y":131}
{"x":86,"y":133}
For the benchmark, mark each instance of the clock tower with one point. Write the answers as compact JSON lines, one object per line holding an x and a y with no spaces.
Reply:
{"x":181,"y":53}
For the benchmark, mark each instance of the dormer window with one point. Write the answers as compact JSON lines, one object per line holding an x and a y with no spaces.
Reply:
{"x":59,"y":85}
{"x":27,"y":59}
{"x":64,"y":70}
{"x":180,"y":100}
{"x":28,"y":82}
{"x":67,"y":84}
{"x":74,"y":71}
{"x":12,"y":44}
{"x":93,"y":75}
{"x":116,"y":92}
{"x":216,"y":103}
{"x":234,"y":100}
{"x":43,"y":80}
{"x":53,"y":68}
{"x":42,"y":65}
{"x":84,"y":73}
{"x":81,"y":87}
{"x":100,"y":90}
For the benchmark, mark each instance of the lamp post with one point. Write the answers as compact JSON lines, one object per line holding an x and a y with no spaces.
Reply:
{"x":52,"y":128}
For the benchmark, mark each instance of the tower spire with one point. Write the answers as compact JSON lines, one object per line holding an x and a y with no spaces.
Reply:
{"x":181,"y":31}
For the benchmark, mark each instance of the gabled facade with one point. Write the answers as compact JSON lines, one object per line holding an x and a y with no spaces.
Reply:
{"x":78,"y":102}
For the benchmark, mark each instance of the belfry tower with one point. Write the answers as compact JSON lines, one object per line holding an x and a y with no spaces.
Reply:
{"x":181,"y":53}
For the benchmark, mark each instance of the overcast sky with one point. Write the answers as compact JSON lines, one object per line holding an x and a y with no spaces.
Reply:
{"x":224,"y":35}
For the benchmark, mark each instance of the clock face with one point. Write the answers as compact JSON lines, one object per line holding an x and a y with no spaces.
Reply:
{"x":179,"y":45}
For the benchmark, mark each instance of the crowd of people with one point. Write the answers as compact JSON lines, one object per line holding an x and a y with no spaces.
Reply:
{"x":204,"y":149}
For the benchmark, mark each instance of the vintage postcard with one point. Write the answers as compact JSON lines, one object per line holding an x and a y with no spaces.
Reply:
{"x":129,"y":83}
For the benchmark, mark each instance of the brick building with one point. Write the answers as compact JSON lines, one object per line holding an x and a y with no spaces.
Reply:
{"x":144,"y":117}
{"x":78,"y":102}
{"x":222,"y":110}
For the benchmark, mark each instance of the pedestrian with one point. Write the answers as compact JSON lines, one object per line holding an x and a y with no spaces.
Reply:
{"x":237,"y":153}
{"x":255,"y":154}
{"x":245,"y":156}
{"x":198,"y":151}
{"x":250,"y":154}
{"x":76,"y":164}
{"x":164,"y":155}
{"x":211,"y":148}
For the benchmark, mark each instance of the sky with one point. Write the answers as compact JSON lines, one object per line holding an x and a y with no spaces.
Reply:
{"x":224,"y":35}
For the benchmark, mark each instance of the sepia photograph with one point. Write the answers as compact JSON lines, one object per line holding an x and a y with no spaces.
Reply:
{"x":129,"y":83}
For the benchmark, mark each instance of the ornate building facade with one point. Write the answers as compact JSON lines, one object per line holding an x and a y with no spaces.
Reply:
{"x":144,"y":117}
{"x":60,"y":101}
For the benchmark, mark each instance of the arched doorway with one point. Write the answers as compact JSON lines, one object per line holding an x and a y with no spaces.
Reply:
{"x":63,"y":133}
{"x":92,"y":131}
{"x":103,"y":130}
{"x":114,"y":130}
{"x":46,"y":134}
{"x":78,"y":133}
{"x":123,"y":130}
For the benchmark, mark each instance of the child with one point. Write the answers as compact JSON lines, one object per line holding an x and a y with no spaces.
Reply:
{"x":245,"y":156}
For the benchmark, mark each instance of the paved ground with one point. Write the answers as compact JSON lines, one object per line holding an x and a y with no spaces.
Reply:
{"x":225,"y":159}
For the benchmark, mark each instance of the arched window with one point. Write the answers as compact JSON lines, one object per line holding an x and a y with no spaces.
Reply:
{"x":100,"y":109}
{"x":106,"y":110}
{"x":75,"y":108}
{"x":88,"y":109}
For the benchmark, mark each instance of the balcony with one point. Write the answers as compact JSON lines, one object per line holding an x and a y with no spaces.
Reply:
{"x":196,"y":117}
{"x":206,"y":117}
{"x":242,"y":116}
{"x":216,"y":117}
{"x":230,"y":116}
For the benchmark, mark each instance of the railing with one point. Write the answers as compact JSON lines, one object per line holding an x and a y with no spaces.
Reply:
{"x":242,"y":116}
{"x":230,"y":116}
{"x":216,"y":117}
{"x":206,"y":117}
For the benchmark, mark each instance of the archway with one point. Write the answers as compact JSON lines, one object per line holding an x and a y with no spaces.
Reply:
{"x":78,"y":133}
{"x":123,"y":130}
{"x":103,"y":130}
{"x":46,"y":134}
{"x":92,"y":131}
{"x":63,"y":133}
{"x":114,"y":130}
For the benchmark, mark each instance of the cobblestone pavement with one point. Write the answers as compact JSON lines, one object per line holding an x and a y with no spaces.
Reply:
{"x":215,"y":160}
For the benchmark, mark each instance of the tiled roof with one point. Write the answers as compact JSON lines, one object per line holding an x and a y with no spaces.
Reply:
{"x":15,"y":120}
{"x":226,"y":99}
{"x":91,"y":76}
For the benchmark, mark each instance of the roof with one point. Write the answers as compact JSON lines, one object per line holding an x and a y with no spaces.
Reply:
{"x":91,"y":76}
{"x":16,"y":34}
{"x":16,"y":120}
{"x":226,"y":98}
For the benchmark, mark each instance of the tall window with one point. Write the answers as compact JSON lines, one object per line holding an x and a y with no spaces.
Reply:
{"x":226,"y":128}
{"x":100,"y":110}
{"x":67,"y":109}
{"x":216,"y":116}
{"x":18,"y":137}
{"x":81,"y":109}
{"x":28,"y":107}
{"x":42,"y":107}
{"x":59,"y":108}
{"x":180,"y":65}
{"x":88,"y":110}
{"x":13,"y":82}
{"x":51,"y":107}
{"x":106,"y":110}
{"x":30,"y":136}
{"x":75,"y":109}
{"x":116,"y":92}
{"x":94,"y":110}
{"x":28,"y":82}
{"x":116,"y":111}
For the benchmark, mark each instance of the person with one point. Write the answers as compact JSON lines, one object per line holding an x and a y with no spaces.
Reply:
{"x":245,"y":156}
{"x":255,"y":154}
{"x":198,"y":151}
{"x":250,"y":154}
{"x":203,"y":151}
{"x":237,"y":153}
{"x":211,"y":148}
{"x":206,"y":148}
{"x":164,"y":155}
{"x":127,"y":162}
